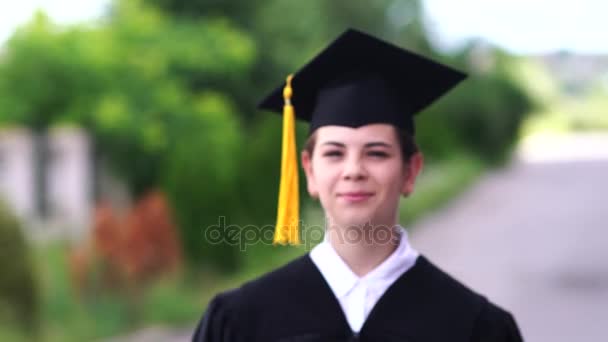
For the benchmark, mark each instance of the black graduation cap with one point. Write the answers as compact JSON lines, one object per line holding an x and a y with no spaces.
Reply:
{"x":359,"y":79}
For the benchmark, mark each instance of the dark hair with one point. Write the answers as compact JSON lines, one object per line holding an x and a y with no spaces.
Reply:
{"x":406,"y":142}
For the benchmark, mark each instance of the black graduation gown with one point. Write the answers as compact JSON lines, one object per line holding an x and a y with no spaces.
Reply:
{"x":294,"y":303}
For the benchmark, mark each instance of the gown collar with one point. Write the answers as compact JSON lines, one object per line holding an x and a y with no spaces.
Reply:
{"x":341,"y":279}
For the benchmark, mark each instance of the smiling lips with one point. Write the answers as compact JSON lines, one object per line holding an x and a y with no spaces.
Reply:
{"x":355,"y":196}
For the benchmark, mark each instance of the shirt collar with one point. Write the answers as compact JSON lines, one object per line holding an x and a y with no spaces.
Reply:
{"x":396,"y":264}
{"x":341,"y":279}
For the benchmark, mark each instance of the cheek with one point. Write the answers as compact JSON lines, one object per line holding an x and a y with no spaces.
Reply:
{"x":325,"y":188}
{"x":391,"y":177}
{"x":326,"y":183}
{"x":325,"y":176}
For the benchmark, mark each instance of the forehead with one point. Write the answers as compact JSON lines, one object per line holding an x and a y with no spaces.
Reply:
{"x":376,"y":132}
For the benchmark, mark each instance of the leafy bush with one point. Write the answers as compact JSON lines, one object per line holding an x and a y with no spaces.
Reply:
{"x":128,"y":253}
{"x":19,"y":300}
{"x":481,"y":116}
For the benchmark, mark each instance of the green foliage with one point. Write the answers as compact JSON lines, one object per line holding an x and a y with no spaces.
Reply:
{"x":168,"y":90}
{"x":129,"y":88}
{"x":19,"y":301}
{"x":69,"y":316}
{"x":172,"y":302}
{"x":481,"y":116}
{"x":438,"y":183}
{"x":201,"y":170}
{"x":126,"y":87}
{"x":582,"y":111}
{"x":175,"y":301}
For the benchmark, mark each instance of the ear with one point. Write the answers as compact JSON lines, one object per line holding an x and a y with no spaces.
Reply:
{"x":413,"y":168}
{"x":310,"y":181}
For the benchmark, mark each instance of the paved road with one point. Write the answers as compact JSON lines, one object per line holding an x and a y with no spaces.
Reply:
{"x":534,"y":238}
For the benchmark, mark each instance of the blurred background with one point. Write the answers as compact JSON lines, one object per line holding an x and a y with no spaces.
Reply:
{"x":128,"y":127}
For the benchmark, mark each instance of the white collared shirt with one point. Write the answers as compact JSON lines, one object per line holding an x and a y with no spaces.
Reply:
{"x":358,"y":295}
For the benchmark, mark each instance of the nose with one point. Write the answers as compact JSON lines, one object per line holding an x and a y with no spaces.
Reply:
{"x":354,"y":169}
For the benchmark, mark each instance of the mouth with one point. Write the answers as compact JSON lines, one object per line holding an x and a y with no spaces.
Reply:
{"x":355,"y":196}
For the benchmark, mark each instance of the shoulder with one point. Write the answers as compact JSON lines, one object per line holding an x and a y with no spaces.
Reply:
{"x":440,"y":284}
{"x":271,"y":284}
{"x":256,"y":299}
{"x":274,"y":285}
{"x":488,"y":321}
{"x":217,"y":321}
{"x":495,"y":324}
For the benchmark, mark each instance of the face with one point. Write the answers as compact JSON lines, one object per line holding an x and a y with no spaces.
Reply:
{"x":359,"y":174}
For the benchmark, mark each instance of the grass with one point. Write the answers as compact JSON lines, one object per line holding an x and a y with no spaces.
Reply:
{"x":175,"y":301}
{"x":65,"y":315}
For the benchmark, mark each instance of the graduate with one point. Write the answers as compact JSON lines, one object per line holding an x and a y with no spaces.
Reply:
{"x":364,"y":282}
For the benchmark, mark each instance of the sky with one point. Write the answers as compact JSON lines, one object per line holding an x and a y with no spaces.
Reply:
{"x":523,"y":26}
{"x":14,"y":13}
{"x":520,"y":26}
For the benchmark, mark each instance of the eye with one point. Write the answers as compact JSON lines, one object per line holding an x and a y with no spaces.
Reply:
{"x":332,"y":153}
{"x":378,"y":154}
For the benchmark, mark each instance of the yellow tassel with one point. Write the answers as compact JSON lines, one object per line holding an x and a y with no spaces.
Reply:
{"x":286,"y":230}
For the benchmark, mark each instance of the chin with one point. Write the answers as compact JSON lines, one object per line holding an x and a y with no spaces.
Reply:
{"x":356,"y":219}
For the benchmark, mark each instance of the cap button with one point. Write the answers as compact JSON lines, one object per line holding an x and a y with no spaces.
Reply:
{"x":288,"y":91}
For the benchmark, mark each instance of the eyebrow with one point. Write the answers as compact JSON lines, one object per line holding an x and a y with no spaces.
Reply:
{"x":367,"y":145}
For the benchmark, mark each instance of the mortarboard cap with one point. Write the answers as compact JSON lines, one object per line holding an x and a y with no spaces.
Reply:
{"x":357,"y":80}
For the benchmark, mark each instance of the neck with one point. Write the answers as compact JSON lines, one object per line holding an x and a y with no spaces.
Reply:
{"x":364,"y":248}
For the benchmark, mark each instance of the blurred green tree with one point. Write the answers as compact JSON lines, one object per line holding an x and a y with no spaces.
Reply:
{"x":123,"y":82}
{"x":482,"y":116}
